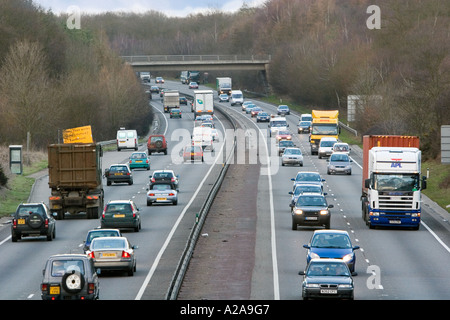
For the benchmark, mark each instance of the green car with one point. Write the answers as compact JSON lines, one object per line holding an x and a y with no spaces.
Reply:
{"x":121,"y":214}
{"x":139,"y":160}
{"x":175,"y":113}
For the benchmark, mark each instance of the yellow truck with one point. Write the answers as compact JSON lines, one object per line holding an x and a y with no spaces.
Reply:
{"x":325,"y":123}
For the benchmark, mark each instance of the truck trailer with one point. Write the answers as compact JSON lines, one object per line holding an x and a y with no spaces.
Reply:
{"x":223,"y":85}
{"x":392,"y":182}
{"x":325,"y":123}
{"x":75,"y":179}
{"x":171,"y":99}
{"x":203,"y":102}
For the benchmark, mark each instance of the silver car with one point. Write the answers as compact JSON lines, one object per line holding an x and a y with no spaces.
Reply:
{"x":292,"y":156}
{"x":162,"y":193}
{"x":113,"y":253}
{"x":307,"y":177}
{"x":339,"y":162}
{"x":304,"y":188}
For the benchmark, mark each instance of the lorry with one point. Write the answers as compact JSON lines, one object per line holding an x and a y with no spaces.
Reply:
{"x":392,"y":182}
{"x":193,"y":76}
{"x":223,"y":85}
{"x":171,"y":99}
{"x":75,"y":179}
{"x":184,"y":77}
{"x":203,"y":102}
{"x":145,"y":76}
{"x":325,"y":123}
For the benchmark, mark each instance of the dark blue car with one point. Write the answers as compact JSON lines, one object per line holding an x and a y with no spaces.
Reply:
{"x":333,"y":244}
{"x":262,"y":117}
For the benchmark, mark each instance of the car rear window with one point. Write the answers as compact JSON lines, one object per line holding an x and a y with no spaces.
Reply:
{"x":27,"y":210}
{"x":118,"y":207}
{"x":155,"y":139}
{"x":118,"y":169}
{"x":60,"y":267}
{"x":98,"y":234}
{"x":108,"y":244}
{"x":162,"y":187}
{"x":162,"y":175}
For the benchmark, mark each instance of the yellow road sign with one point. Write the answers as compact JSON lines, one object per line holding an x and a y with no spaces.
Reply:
{"x":78,"y":135}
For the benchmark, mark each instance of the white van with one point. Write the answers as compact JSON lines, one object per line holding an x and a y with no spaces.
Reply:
{"x":236,"y":97}
{"x":127,"y":139}
{"x":277,"y":124}
{"x":203,"y":136}
{"x":306,"y":117}
{"x":326,"y":147}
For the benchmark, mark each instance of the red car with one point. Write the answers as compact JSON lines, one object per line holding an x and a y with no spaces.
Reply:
{"x":284,"y":135}
{"x":193,"y":153}
{"x":255,"y":111}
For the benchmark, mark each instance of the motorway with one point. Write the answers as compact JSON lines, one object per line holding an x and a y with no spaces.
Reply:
{"x":391,"y":264}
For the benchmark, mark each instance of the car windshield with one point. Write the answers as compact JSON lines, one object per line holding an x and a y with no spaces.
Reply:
{"x":339,"y":157}
{"x":292,"y":152}
{"x":331,"y":240}
{"x":302,"y":188}
{"x":263,"y":114}
{"x":284,"y":133}
{"x":278,"y":123}
{"x":327,"y":144}
{"x":330,"y":129}
{"x":286,"y":143}
{"x":162,"y":187}
{"x":108,"y":244}
{"x":305,"y":123}
{"x":118,"y":207}
{"x":311,"y":201}
{"x":60,"y":267}
{"x":283,"y":107}
{"x":327,"y":269}
{"x":307,"y":177}
{"x":101,"y":233}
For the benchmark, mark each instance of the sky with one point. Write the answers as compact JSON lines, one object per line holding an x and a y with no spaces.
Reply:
{"x":171,"y":8}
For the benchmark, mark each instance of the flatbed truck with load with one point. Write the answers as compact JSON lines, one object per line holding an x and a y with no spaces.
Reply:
{"x":392,"y":182}
{"x":75,"y":179}
{"x":171,"y":99}
{"x":325,"y":123}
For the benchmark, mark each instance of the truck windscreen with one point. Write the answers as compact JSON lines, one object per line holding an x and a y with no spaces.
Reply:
{"x":396,"y":182}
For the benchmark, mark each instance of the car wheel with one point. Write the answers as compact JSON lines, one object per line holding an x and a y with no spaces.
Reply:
{"x":130,"y":182}
{"x":14,"y":238}
{"x":72,"y":282}
{"x":165,"y":151}
{"x":108,"y":183}
{"x":294,"y":225}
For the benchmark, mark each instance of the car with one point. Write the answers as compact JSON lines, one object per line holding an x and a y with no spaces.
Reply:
{"x":254,"y":112}
{"x":304,"y":188}
{"x":139,"y":160}
{"x":283,"y":144}
{"x":175,"y":113}
{"x":263,"y":117}
{"x":326,"y":147}
{"x":292,"y":156}
{"x":32,"y":220}
{"x":161,"y":92}
{"x":165,"y":176}
{"x":121,"y":214}
{"x":224,"y":97}
{"x":249,"y":107}
{"x":311,"y":209}
{"x":193,"y":85}
{"x":341,"y":147}
{"x":156,"y":143}
{"x":118,"y":173}
{"x":159,"y":80}
{"x":96,"y":233}
{"x":192,"y":153}
{"x":154,"y":89}
{"x":183,"y":100}
{"x":283,"y":109}
{"x":162,"y":192}
{"x":332,"y":244}
{"x":339,"y":162}
{"x":245,"y":103}
{"x":70,"y":277}
{"x":307,"y":177}
{"x":112,"y":254}
{"x":283,"y":135}
{"x":327,"y":278}
{"x":304,"y":126}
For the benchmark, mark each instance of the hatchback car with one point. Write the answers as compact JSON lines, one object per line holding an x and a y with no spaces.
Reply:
{"x":193,"y":153}
{"x":339,"y":162}
{"x":157,"y":143}
{"x":311,"y":209}
{"x":139,"y":160}
{"x":154,"y":89}
{"x":304,"y":188}
{"x":162,"y":193}
{"x":304,"y":126}
{"x":245,"y":104}
{"x":327,"y":278}
{"x":292,"y":156}
{"x":70,"y":277}
{"x":175,"y":113}
{"x":308,"y":177}
{"x":249,"y":108}
{"x":165,"y":176}
{"x":263,"y":117}
{"x":183,"y":100}
{"x":283,"y":109}
{"x":332,"y":244}
{"x":193,"y":85}
{"x":121,"y":214}
{"x":254,"y":112}
{"x":283,"y":144}
{"x":33,"y":219}
{"x":96,"y":233}
{"x":224,"y":97}
{"x":283,"y":135}
{"x":118,"y":173}
{"x":159,"y":80}
{"x":113,"y":253}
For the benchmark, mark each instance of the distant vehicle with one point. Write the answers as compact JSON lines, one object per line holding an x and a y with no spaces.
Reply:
{"x":335,"y":244}
{"x":175,"y":113}
{"x":139,"y":159}
{"x":167,"y":176}
{"x":159,"y":80}
{"x":183,"y":100}
{"x":277,"y":124}
{"x":193,"y":76}
{"x":113,"y":254}
{"x":283,"y":144}
{"x":192,"y":153}
{"x":245,"y":103}
{"x":145,"y":77}
{"x":70,"y":277}
{"x":263,"y":117}
{"x":156,"y":143}
{"x":327,"y":278}
{"x":162,"y":192}
{"x":283,"y":109}
{"x":308,"y":177}
{"x":341,"y":147}
{"x":171,"y":100}
{"x":311,"y":209}
{"x":121,"y":214}
{"x":33,"y":219}
{"x":154,"y":89}
{"x":326,"y":147}
{"x":203,"y":102}
{"x":224,"y":97}
{"x":255,"y":111}
{"x":304,"y":126}
{"x":304,"y":188}
{"x":292,"y":156}
{"x":306,"y":117}
{"x":193,"y":85}
{"x":96,"y":233}
{"x":325,"y":123}
{"x":249,"y":107}
{"x":223,"y":85}
{"x":236,"y":97}
{"x":118,"y":173}
{"x":184,"y":77}
{"x":127,"y":139}
{"x":283,"y":135}
{"x":339,"y":162}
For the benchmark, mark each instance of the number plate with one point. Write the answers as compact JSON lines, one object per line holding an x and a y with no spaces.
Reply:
{"x":55,"y":290}
{"x":117,"y":174}
{"x":138,"y":161}
{"x":119,"y":216}
{"x":328,"y":291}
{"x":310,"y":218}
{"x":395,"y":222}
{"x":21,"y":221}
{"x":108,"y":255}
{"x":161,"y":199}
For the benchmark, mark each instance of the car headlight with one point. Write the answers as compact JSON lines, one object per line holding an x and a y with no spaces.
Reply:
{"x":348,"y":257}
{"x":312,"y":285}
{"x":345,"y":286}
{"x":313,"y":255}
{"x":298,"y":211}
{"x":323,"y":212}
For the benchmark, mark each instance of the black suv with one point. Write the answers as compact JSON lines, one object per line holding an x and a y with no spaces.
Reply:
{"x":311,"y":209}
{"x":33,"y":219}
{"x":118,"y":173}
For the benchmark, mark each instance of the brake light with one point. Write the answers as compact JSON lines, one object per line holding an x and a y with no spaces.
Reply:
{"x":14,"y":223}
{"x":173,"y":179}
{"x":171,"y":194}
{"x":44,"y":287}
{"x":46,"y":223}
{"x":125,"y":254}
{"x":91,"y":288}
{"x":91,"y":255}
{"x":151,"y":194}
{"x":153,"y":180}
{"x":55,"y":198}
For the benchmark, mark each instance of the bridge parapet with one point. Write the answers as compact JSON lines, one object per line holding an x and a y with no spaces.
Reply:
{"x":192,"y":58}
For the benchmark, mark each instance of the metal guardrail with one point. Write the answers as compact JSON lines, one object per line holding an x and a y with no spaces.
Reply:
{"x":177,"y":58}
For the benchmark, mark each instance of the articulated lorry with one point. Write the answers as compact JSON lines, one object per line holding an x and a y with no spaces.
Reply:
{"x":171,"y":99}
{"x":75,"y":179}
{"x":392,"y":182}
{"x":325,"y":123}
{"x":203,"y":102}
{"x":223,"y":85}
